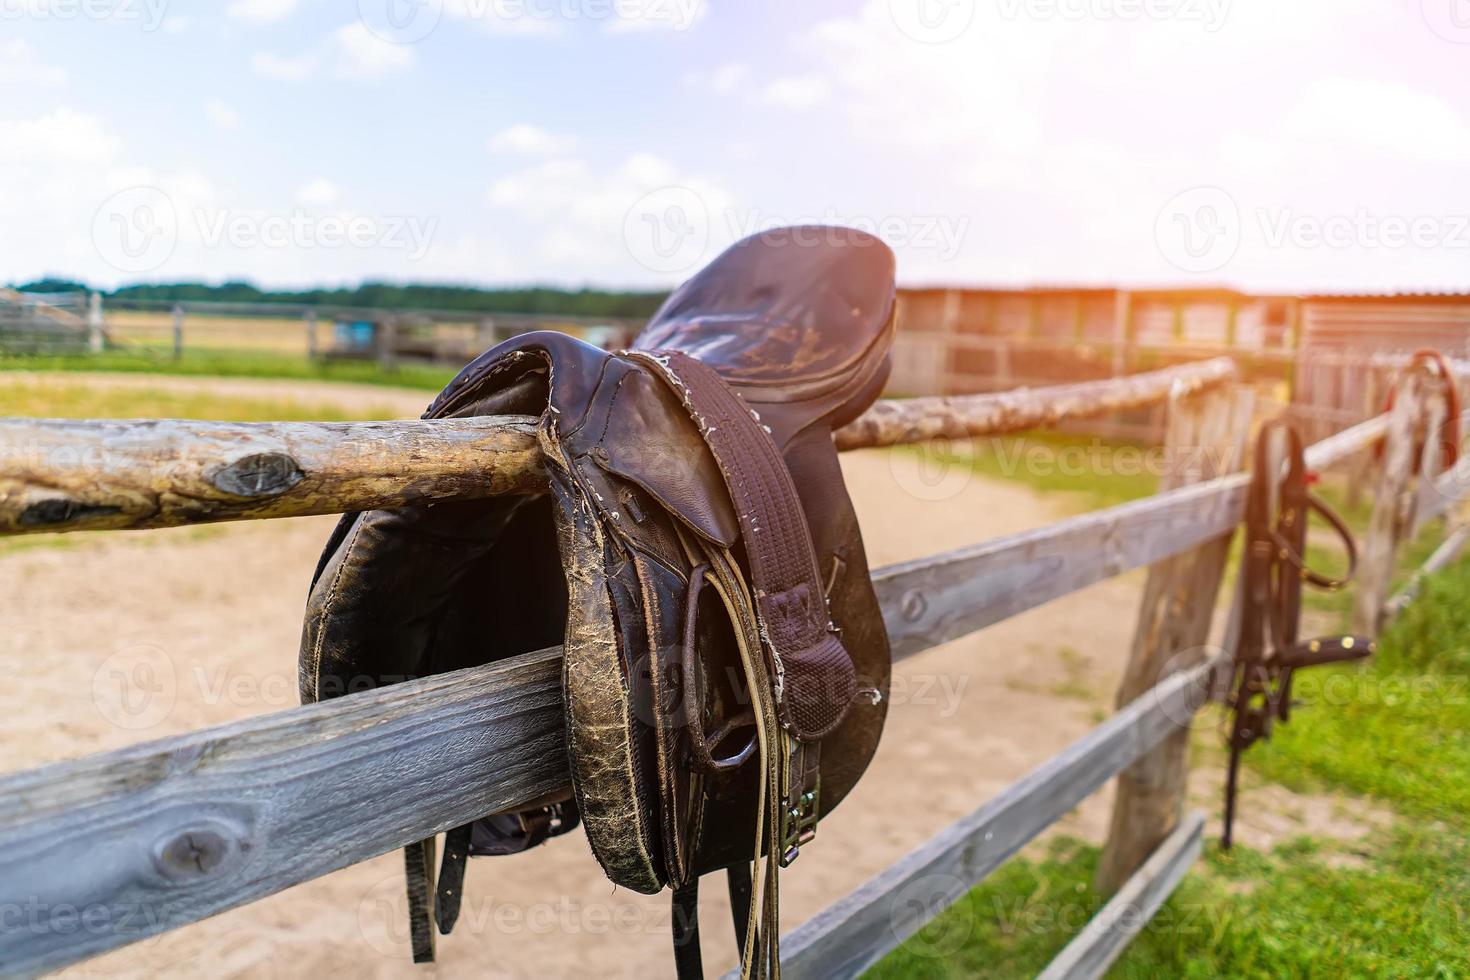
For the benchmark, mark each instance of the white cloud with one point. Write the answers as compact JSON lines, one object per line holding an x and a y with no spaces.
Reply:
{"x":726,"y":78}
{"x":62,"y":136}
{"x":529,"y":140}
{"x":362,"y":54}
{"x":798,"y":92}
{"x":282,"y":68}
{"x":1388,"y":117}
{"x":722,"y":80}
{"x":575,"y":214}
{"x":318,"y":193}
{"x":351,"y":52}
{"x":221,"y":115}
{"x":261,"y":11}
{"x":20,"y":65}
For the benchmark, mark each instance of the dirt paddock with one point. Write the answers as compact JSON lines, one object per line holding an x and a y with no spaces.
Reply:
{"x":123,"y":637}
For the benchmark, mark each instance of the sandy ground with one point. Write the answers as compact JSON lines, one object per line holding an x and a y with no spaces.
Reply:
{"x":207,"y":620}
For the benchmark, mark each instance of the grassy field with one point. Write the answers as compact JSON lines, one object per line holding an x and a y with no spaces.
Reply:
{"x":25,"y":396}
{"x":234,"y":363}
{"x":1393,"y":733}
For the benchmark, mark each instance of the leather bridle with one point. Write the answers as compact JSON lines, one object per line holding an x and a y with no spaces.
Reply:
{"x":1273,"y":569}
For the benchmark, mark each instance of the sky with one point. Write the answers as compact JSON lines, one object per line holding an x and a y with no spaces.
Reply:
{"x":1263,"y":144}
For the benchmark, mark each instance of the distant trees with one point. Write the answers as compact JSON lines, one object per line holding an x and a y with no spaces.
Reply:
{"x":383,"y":295}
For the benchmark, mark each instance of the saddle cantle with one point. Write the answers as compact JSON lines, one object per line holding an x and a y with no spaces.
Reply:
{"x":725,"y":662}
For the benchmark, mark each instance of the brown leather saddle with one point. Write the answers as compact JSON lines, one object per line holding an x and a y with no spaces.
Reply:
{"x":726,"y":666}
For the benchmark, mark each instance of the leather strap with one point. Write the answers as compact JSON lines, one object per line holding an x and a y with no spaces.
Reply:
{"x":687,"y":959}
{"x":815,"y":678}
{"x":737,"y":877}
{"x":451,"y":877}
{"x":419,"y":864}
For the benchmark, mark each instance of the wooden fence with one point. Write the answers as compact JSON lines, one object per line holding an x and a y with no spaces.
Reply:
{"x":155,"y":836}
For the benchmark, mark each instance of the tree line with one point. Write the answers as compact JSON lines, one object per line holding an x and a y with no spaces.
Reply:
{"x":382,"y":295}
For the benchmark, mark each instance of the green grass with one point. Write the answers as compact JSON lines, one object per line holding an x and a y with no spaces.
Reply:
{"x":234,"y":364}
{"x":1393,"y":908}
{"x":65,"y":400}
{"x":1394,"y":732}
{"x":1092,"y":471}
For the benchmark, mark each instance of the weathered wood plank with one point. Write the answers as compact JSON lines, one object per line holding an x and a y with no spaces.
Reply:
{"x":60,"y":475}
{"x":1449,"y":550}
{"x":1392,"y":503}
{"x":859,"y":929}
{"x":113,"y":848}
{"x":1174,"y":619}
{"x":1099,"y":944}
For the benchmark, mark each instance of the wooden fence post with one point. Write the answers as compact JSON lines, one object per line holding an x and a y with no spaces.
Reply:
{"x":387,"y":338}
{"x":309,"y":319}
{"x":96,"y":326}
{"x":1206,"y":437}
{"x":1392,"y":501}
{"x":178,"y":318}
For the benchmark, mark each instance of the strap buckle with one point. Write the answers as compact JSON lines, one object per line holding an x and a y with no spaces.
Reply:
{"x":801,"y":795}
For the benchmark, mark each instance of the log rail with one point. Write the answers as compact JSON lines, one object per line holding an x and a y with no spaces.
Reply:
{"x":59,"y":475}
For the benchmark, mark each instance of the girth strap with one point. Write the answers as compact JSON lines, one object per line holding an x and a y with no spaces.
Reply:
{"x":815,"y":678}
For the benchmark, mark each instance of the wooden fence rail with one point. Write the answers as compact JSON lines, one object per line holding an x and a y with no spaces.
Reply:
{"x":71,"y":476}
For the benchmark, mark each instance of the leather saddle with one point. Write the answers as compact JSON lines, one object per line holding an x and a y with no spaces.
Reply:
{"x":726,"y":666}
